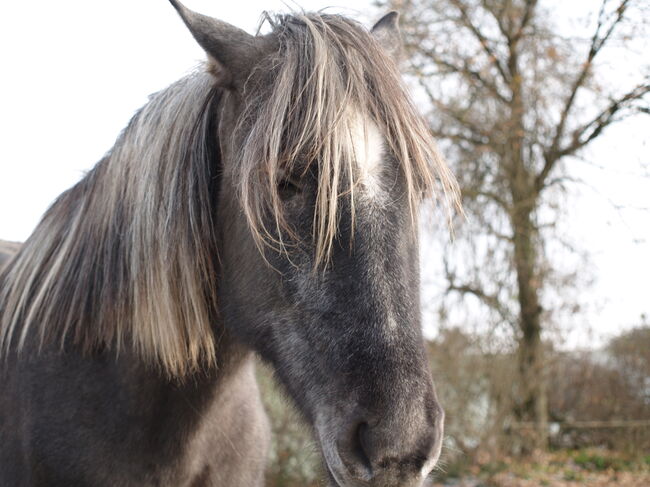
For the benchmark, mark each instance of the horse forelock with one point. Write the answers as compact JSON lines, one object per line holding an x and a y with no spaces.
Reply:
{"x":306,"y":104}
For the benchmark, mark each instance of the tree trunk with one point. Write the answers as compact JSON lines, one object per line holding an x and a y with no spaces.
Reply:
{"x":532,"y":388}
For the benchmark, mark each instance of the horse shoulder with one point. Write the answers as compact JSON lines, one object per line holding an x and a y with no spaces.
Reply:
{"x":232,"y":446}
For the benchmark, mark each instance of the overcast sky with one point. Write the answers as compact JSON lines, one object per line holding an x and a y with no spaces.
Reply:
{"x":74,"y":72}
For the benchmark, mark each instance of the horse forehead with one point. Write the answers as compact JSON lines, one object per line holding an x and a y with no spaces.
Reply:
{"x":369,"y":151}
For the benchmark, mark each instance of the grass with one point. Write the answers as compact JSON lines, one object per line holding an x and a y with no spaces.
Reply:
{"x":561,"y":468}
{"x":602,"y":460}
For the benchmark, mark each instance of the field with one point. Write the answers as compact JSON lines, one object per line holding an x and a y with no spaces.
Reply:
{"x":590,"y":467}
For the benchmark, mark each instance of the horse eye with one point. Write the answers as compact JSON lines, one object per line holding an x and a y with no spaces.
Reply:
{"x":288,"y":188}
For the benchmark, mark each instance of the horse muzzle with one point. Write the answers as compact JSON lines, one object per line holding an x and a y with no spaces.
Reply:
{"x":367,"y":452}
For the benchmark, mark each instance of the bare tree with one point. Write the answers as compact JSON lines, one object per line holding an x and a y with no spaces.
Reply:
{"x":513,"y":99}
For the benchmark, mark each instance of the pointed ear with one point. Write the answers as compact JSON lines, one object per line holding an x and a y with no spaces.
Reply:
{"x":232,"y":53}
{"x":386,"y":31}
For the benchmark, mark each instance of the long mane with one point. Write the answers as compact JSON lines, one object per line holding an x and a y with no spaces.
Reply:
{"x":126,"y":258}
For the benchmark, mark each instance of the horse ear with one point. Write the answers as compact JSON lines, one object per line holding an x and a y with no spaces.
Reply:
{"x":386,"y":31}
{"x":232,"y":53}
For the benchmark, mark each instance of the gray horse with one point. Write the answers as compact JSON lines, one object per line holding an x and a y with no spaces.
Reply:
{"x":266,"y":204}
{"x":7,"y":251}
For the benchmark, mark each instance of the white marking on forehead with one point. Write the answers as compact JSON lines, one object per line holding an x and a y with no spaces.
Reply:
{"x":368,"y":146}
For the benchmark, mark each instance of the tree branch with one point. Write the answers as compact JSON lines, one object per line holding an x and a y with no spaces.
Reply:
{"x":459,"y":137}
{"x":598,"y":41}
{"x":473,"y":193}
{"x":584,"y":134}
{"x":483,"y":41}
{"x":490,"y":301}
{"x":498,"y":16}
{"x":444,"y":108}
{"x":589,"y":131}
{"x":525,"y":19}
{"x":468,"y":73}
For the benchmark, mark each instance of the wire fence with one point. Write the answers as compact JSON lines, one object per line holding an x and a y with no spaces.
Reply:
{"x":555,"y":425}
{"x":631,"y":435}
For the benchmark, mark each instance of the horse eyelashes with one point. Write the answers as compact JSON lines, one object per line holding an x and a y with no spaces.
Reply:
{"x":287,"y":189}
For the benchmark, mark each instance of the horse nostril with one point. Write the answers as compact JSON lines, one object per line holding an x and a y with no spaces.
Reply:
{"x":353,"y":451}
{"x":368,"y":445}
{"x":368,"y":451}
{"x":362,"y":446}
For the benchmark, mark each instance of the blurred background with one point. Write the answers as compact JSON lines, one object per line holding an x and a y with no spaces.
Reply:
{"x":536,"y":312}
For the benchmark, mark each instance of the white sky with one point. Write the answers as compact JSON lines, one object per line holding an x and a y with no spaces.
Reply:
{"x":74,"y":72}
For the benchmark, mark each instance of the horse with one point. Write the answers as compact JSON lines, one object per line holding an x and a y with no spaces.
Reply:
{"x":7,"y":250}
{"x":265,"y":205}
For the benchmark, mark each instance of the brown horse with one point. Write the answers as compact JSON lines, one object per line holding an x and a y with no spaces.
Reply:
{"x":267,"y":205}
